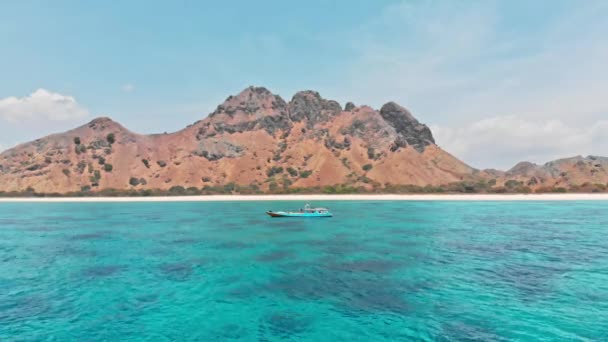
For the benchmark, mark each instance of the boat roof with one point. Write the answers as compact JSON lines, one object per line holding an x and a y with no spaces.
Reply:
{"x":307,"y":207}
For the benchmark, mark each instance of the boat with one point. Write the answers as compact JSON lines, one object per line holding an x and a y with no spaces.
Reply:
{"x":307,"y":211}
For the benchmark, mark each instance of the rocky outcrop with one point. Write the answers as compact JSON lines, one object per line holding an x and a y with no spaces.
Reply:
{"x":253,"y":101}
{"x":411,"y":131}
{"x":252,"y":109}
{"x":213,"y":149}
{"x":309,"y":106}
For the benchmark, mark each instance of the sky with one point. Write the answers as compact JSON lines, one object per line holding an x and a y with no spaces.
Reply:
{"x":498,"y":82}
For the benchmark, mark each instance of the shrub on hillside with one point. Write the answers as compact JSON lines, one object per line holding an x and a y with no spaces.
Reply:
{"x":293,"y":172}
{"x":80,"y":149}
{"x":371,"y":153}
{"x":274,"y":170}
{"x":177,"y":190}
{"x":305,"y":173}
{"x":511,"y":183}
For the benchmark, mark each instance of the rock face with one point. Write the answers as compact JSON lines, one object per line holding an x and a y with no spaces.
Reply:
{"x":254,"y":108}
{"x":310,"y":107}
{"x":258,"y":140}
{"x":214,"y":149}
{"x":410,"y":130}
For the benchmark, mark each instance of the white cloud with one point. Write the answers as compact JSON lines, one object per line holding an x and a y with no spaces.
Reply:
{"x":2,"y":147}
{"x":542,"y":84}
{"x":500,"y":142}
{"x":41,"y":104}
{"x":128,"y":88}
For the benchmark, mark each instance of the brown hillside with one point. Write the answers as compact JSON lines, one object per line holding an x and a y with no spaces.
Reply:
{"x":569,"y":173}
{"x":254,"y":138}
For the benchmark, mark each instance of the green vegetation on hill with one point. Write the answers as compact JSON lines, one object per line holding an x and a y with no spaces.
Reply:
{"x":284,"y":186}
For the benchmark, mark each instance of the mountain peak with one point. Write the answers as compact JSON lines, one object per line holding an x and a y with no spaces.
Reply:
{"x":103,"y":123}
{"x":522,"y":168}
{"x":262,"y":91}
{"x":310,"y":106}
{"x":101,"y":120}
{"x":308,"y":93}
{"x":257,"y":101}
{"x":391,"y":107}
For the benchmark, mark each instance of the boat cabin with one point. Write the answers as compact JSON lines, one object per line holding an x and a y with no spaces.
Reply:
{"x":308,"y":209}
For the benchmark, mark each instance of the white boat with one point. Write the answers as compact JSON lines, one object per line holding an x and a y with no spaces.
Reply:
{"x":307,"y":211}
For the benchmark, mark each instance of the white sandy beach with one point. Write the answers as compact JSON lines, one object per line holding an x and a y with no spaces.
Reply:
{"x":321,"y":197}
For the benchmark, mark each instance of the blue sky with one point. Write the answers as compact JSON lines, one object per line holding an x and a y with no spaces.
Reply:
{"x":498,"y":81}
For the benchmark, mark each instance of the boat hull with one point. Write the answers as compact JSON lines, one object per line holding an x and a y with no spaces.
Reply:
{"x":296,"y":214}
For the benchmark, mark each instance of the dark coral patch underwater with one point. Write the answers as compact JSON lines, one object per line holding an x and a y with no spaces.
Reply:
{"x":275,"y":256}
{"x":284,"y":325}
{"x":102,"y":271}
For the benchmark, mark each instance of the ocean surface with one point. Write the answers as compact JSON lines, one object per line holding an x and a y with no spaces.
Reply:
{"x":377,"y":271}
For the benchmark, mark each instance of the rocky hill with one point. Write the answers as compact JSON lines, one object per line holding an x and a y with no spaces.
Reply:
{"x":257,"y":142}
{"x":254,"y":139}
{"x":575,"y":174}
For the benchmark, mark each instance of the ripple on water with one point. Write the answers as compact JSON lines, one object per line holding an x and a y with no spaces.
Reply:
{"x":287,"y":225}
{"x":40,"y":228}
{"x":275,"y":256}
{"x":254,"y":222}
{"x":186,"y":241}
{"x":334,"y":246}
{"x":374,"y":299}
{"x":179,"y":271}
{"x":460,"y":331}
{"x":479,"y":249}
{"x":233,"y":245}
{"x":91,"y":236}
{"x":367,"y":265}
{"x":352,"y":292}
{"x":102,"y":271}
{"x":530,"y":280}
{"x":72,"y":251}
{"x":285,"y":324}
{"x":231,"y":332}
{"x":23,"y":308}
{"x":145,"y":301}
{"x":147,"y":298}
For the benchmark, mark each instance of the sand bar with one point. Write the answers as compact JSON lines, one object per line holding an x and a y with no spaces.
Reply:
{"x":320,"y":197}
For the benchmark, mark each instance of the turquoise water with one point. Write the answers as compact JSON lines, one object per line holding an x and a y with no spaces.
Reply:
{"x":377,"y":271}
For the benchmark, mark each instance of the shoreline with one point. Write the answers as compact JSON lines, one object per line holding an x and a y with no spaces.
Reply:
{"x":321,"y":197}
